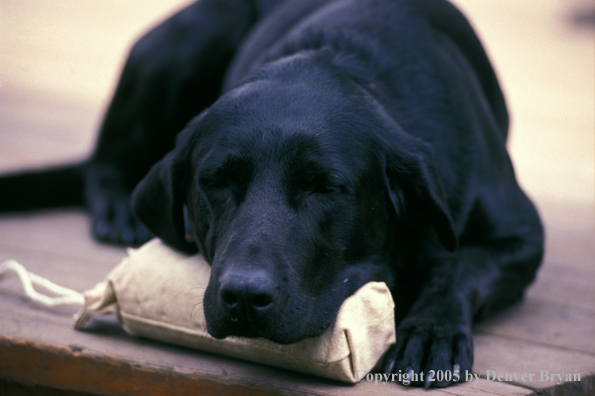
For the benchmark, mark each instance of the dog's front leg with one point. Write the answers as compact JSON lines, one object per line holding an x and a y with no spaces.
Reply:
{"x":434,"y":338}
{"x":434,"y":345}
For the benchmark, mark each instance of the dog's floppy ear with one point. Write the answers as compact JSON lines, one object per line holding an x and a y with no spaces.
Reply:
{"x":410,"y":170}
{"x":159,"y":198}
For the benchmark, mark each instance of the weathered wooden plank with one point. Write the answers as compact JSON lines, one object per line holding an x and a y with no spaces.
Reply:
{"x":545,"y":323}
{"x":11,"y":388}
{"x":62,"y":232}
{"x":503,"y":355}
{"x":72,"y":368}
{"x":68,"y":271}
{"x":69,"y":368}
{"x":559,"y":310}
{"x":565,"y":287}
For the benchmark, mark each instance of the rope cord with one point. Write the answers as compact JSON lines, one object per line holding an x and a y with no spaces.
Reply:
{"x":64,"y":296}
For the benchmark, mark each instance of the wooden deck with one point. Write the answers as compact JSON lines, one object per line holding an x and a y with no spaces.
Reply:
{"x":59,"y":61}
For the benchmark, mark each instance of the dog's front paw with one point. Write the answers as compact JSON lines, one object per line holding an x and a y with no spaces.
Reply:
{"x":113,"y":221}
{"x":108,"y":200}
{"x":430,"y":355}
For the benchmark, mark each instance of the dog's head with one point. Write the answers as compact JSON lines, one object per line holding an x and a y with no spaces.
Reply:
{"x":295,"y":190}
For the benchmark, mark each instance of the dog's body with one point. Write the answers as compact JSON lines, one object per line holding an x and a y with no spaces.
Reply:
{"x":338,"y":142}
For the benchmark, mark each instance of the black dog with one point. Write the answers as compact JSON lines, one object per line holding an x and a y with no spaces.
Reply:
{"x":338,"y":142}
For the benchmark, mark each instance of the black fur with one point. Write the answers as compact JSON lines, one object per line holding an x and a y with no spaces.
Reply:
{"x":337,"y":143}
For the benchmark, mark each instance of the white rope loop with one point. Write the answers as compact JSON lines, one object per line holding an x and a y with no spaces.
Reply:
{"x":64,"y":296}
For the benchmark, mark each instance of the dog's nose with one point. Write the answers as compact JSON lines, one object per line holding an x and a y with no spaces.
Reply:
{"x":246,"y":293}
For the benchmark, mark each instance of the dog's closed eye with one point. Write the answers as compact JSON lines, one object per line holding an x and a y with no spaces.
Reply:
{"x":233,"y":177}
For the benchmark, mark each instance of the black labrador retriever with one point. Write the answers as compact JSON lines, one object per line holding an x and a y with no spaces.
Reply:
{"x":337,"y":142}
